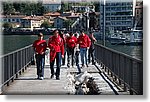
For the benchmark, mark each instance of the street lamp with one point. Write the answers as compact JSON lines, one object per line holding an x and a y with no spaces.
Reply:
{"x":87,"y":15}
{"x":102,"y":4}
{"x":104,"y":25}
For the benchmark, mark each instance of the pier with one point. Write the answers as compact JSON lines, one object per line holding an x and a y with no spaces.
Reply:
{"x":115,"y":73}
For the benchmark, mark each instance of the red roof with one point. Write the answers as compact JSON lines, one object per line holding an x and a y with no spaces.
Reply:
{"x":52,"y":14}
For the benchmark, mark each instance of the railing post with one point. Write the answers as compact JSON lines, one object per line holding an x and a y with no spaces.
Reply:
{"x":125,"y":70}
{"x":14,"y":64}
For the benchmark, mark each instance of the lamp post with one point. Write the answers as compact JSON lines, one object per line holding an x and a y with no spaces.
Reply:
{"x":103,"y":20}
{"x":104,"y":25}
{"x":87,"y":15}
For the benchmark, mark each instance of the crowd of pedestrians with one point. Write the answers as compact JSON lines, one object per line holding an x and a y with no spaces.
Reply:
{"x":71,"y":44}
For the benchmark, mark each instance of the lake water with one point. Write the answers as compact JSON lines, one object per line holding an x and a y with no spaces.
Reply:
{"x":14,"y":42}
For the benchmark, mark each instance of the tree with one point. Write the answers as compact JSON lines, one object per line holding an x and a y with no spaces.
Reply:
{"x":26,"y":8}
{"x":68,"y":24}
{"x":7,"y":25}
{"x":96,"y":4}
{"x":8,"y":8}
{"x":46,"y":24}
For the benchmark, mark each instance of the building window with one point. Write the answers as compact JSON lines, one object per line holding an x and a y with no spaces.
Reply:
{"x":137,"y":11}
{"x":52,"y":8}
{"x":112,"y":18}
{"x":57,"y":20}
{"x":13,"y":20}
{"x":118,"y":18}
{"x":123,"y":18}
{"x":5,"y":20}
{"x":17,"y":20}
{"x":107,"y":18}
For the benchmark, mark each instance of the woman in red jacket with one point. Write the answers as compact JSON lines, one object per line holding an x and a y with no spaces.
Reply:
{"x":84,"y":43}
{"x":56,"y":46}
{"x":40,"y":48}
{"x":71,"y":42}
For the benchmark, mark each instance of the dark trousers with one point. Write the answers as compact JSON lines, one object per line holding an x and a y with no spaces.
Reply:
{"x":40,"y":62}
{"x":83,"y":53}
{"x":70,"y":54}
{"x":63,"y":59}
{"x":77,"y":61}
{"x":91,"y":54}
{"x":58,"y":63}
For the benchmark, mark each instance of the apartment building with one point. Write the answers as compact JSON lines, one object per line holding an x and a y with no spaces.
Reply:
{"x":15,"y":20}
{"x":139,"y":14}
{"x":116,"y":15}
{"x":32,"y":22}
{"x":59,"y":22}
{"x":52,"y":5}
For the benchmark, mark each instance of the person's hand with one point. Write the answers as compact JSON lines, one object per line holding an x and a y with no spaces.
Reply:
{"x":80,"y":41}
{"x":47,"y":48}
{"x":36,"y":53}
{"x":62,"y":56}
{"x":87,"y":47}
{"x":42,"y":53}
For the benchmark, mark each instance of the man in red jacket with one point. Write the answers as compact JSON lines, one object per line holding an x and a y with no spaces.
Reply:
{"x":71,"y":42}
{"x":40,"y":48}
{"x":56,"y":46}
{"x":84,"y":43}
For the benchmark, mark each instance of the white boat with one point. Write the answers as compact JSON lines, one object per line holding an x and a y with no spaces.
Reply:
{"x":117,"y":38}
{"x":135,"y":38}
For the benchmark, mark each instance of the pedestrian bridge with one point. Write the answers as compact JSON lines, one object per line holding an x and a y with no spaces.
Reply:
{"x":114,"y":73}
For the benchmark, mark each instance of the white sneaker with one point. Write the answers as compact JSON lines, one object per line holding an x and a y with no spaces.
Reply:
{"x":41,"y":78}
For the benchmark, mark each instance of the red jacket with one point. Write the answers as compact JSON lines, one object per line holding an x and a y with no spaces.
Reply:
{"x":84,"y":41}
{"x":40,"y":46}
{"x":56,"y":45}
{"x":71,"y":41}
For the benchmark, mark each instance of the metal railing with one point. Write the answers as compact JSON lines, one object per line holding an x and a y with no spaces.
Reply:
{"x":125,"y":71}
{"x":14,"y":63}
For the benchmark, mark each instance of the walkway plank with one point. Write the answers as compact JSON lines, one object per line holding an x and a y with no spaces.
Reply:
{"x":28,"y":84}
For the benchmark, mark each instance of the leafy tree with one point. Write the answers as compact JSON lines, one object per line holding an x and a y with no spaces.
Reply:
{"x":96,"y":4}
{"x":26,"y":8}
{"x":8,"y":8}
{"x":46,"y":24}
{"x":7,"y":25}
{"x":68,"y":24}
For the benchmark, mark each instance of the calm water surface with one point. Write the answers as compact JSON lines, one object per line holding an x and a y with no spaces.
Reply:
{"x":14,"y":42}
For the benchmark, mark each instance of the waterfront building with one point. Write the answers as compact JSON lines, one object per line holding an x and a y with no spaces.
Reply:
{"x":73,"y":16}
{"x":139,"y":14}
{"x":82,"y":8}
{"x":52,"y":14}
{"x":75,"y":19}
{"x":15,"y":20}
{"x":116,"y":15}
{"x":52,"y":5}
{"x":32,"y":22}
{"x":59,"y":22}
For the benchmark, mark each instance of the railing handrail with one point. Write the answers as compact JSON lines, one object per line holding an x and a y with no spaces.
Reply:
{"x":121,"y":53}
{"x":15,"y":51}
{"x":18,"y":50}
{"x":123,"y":69}
{"x":15,"y":62}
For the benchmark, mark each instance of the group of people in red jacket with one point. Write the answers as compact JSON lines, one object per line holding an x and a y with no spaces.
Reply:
{"x":59,"y":44}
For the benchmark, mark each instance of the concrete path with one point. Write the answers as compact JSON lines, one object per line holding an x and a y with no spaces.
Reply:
{"x":28,"y":84}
